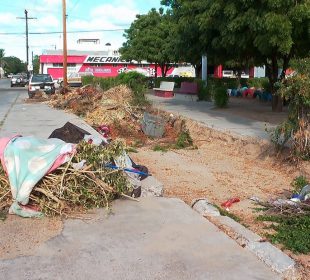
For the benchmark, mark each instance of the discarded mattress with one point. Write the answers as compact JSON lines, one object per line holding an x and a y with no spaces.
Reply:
{"x":26,"y":160}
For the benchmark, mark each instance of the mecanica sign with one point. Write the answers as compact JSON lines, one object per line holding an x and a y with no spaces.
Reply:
{"x":103,"y":59}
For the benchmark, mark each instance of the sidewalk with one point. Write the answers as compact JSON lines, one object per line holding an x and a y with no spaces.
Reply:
{"x":151,"y":239}
{"x":205,"y":113}
{"x":37,"y":119}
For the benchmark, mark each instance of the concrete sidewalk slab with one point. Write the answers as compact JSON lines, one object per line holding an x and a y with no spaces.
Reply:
{"x":37,"y":119}
{"x":206,"y":114}
{"x":156,"y":238}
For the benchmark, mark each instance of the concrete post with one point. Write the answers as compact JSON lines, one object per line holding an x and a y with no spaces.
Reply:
{"x":204,"y":63}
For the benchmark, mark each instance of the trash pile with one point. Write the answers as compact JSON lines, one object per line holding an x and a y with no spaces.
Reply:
{"x":295,"y":204}
{"x":111,"y":108}
{"x":114,"y":109}
{"x":53,"y":177}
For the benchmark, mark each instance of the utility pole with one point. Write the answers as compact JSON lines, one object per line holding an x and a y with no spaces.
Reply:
{"x":64,"y":22}
{"x":27,"y":43}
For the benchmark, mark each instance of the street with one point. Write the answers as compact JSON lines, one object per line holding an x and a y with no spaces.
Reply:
{"x":8,"y":97}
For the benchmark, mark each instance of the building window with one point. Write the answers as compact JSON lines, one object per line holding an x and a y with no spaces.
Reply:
{"x":57,"y":65}
{"x":115,"y":65}
{"x":125,"y":65}
{"x":71,"y":64}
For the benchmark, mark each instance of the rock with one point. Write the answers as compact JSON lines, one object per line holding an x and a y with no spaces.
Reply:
{"x":151,"y":187}
{"x":205,"y":208}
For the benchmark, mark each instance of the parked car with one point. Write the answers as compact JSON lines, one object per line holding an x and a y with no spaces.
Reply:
{"x":41,"y":82}
{"x":10,"y":75}
{"x":18,"y":80}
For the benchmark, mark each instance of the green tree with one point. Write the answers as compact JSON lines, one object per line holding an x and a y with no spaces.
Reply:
{"x":14,"y":65}
{"x":1,"y":59}
{"x":36,"y":64}
{"x":2,"y":52}
{"x":151,"y":37}
{"x":260,"y":32}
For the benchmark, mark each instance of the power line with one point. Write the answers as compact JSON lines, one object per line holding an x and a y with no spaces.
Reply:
{"x":60,"y":32}
{"x":26,"y":18}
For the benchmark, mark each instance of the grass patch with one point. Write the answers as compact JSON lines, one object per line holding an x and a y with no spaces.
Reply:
{"x":298,"y":183}
{"x":224,"y":212}
{"x":160,"y":148}
{"x":131,"y":150}
{"x":184,"y":140}
{"x":292,"y":232}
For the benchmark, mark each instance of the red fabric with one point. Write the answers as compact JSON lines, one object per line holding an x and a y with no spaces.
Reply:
{"x":3,"y":143}
{"x":230,"y":202}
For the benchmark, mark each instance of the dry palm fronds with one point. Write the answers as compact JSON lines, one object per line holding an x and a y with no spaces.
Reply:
{"x":68,"y":190}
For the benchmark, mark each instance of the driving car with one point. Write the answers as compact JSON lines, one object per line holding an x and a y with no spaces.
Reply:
{"x":40,"y":82}
{"x":18,"y":80}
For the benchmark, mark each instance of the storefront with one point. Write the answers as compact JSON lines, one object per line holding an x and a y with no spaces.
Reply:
{"x":101,"y":64}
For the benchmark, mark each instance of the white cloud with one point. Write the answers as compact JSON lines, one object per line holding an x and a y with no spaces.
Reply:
{"x":45,"y":21}
{"x":7,"y":18}
{"x":115,"y":13}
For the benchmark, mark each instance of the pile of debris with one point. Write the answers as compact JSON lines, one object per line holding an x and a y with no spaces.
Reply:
{"x":53,"y":177}
{"x":111,"y":108}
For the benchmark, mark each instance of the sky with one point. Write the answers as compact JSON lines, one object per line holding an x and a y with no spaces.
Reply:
{"x":82,"y":15}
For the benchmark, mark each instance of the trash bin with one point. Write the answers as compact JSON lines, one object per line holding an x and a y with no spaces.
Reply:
{"x":152,"y":125}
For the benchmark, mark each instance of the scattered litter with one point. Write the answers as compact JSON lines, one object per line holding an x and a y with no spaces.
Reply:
{"x":305,"y":193}
{"x":69,"y":133}
{"x":228,"y":203}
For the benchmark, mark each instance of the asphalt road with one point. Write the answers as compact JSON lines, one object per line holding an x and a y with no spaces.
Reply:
{"x":8,"y":97}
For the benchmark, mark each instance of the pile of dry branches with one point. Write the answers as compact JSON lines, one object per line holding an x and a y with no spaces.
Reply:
{"x":285,"y":207}
{"x":69,"y":190}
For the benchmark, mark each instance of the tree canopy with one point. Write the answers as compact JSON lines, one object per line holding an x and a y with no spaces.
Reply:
{"x":252,"y":32}
{"x":150,"y":37}
{"x":13,"y":64}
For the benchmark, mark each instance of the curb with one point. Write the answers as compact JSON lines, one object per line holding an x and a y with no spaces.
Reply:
{"x":265,"y":251}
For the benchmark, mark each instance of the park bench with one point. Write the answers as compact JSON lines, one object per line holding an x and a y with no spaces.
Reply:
{"x":165,"y":89}
{"x":188,"y":88}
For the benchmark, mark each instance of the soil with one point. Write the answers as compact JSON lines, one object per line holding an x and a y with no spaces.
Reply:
{"x":225,"y":167}
{"x":20,"y":236}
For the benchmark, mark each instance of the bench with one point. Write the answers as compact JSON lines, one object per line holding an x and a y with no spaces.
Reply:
{"x":165,"y":90}
{"x":189,"y":88}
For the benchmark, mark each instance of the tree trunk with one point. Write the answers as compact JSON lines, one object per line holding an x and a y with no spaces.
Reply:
{"x":277,"y":100}
{"x":163,"y":68}
{"x":155,"y":70}
{"x":198,"y":68}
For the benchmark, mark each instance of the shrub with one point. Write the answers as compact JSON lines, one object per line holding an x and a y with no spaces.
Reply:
{"x":296,"y":90}
{"x":87,"y":80}
{"x":184,"y":140}
{"x":298,"y":183}
{"x":134,"y":80}
{"x":257,"y":82}
{"x":220,"y":97}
